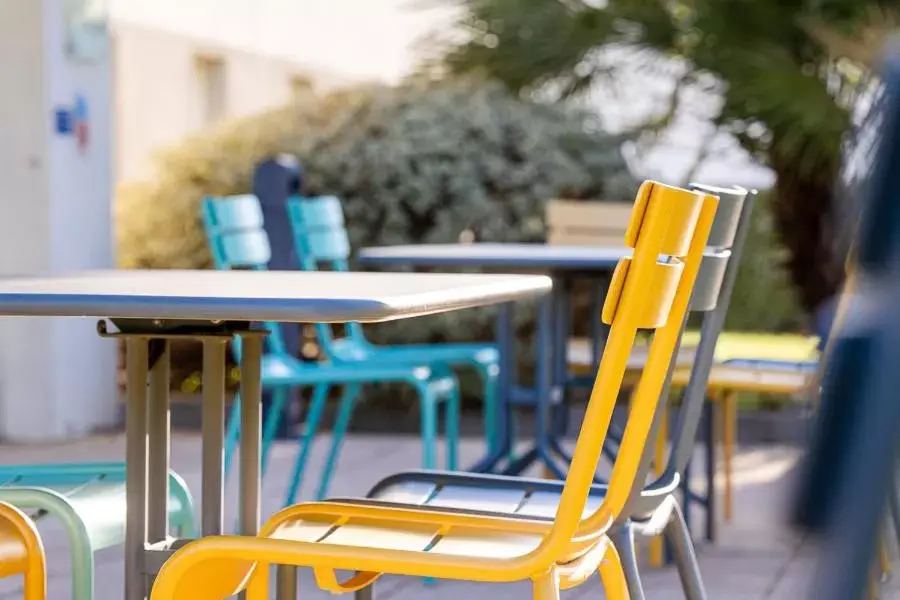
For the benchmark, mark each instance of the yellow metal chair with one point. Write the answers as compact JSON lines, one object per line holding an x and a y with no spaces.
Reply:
{"x":21,"y":552}
{"x":652,"y":290}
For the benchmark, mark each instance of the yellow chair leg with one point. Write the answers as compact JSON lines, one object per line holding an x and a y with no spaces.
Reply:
{"x":258,"y":586}
{"x":659,"y":465}
{"x":612,"y":576}
{"x":873,"y":586}
{"x":546,"y":587}
{"x":885,"y":557}
{"x":17,"y":523}
{"x":729,"y":440}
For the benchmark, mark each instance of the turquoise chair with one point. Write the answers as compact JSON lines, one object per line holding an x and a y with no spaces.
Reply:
{"x":89,"y":500}
{"x":321,"y":240}
{"x":234,"y":227}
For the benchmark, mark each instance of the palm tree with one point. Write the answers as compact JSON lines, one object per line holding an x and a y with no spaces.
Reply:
{"x":788,"y":73}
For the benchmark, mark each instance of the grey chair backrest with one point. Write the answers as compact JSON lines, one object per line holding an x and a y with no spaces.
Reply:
{"x":735,"y":208}
{"x":712,"y":296}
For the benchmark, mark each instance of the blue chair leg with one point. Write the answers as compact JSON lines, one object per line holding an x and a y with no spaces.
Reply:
{"x":428,"y":417}
{"x":341,"y":424}
{"x":271,"y":419}
{"x":452,"y":408}
{"x":317,"y":406}
{"x":276,"y":413}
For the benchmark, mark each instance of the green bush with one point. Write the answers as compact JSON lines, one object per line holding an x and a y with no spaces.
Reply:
{"x":763,"y":298}
{"x":420,"y":164}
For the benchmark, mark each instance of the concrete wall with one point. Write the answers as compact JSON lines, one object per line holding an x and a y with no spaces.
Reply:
{"x":262,"y":45}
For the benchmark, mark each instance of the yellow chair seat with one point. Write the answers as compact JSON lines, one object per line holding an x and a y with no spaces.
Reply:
{"x":734,"y":378}
{"x":374,"y":540}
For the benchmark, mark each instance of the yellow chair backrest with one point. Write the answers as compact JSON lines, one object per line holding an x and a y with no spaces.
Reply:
{"x":668,"y":231}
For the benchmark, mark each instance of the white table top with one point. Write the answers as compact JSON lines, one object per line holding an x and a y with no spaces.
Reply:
{"x":292,"y":296}
{"x":510,"y":256}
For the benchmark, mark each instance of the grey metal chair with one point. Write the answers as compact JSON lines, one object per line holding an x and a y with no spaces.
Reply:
{"x":652,"y":509}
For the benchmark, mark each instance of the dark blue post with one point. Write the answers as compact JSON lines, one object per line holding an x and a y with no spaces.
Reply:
{"x":274,"y":181}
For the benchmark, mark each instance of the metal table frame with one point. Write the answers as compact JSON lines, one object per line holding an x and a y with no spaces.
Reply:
{"x":213,"y":307}
{"x":147,"y":433}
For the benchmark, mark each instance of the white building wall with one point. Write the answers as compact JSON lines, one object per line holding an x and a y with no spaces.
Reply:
{"x":262,"y":44}
{"x":57,"y":377}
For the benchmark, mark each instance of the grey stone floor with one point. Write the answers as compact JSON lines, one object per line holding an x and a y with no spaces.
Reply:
{"x":755,"y":558}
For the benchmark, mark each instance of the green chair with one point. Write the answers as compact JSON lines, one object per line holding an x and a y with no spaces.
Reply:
{"x":89,"y":500}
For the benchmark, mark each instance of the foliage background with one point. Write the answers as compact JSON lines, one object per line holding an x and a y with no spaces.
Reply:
{"x":419,"y":163}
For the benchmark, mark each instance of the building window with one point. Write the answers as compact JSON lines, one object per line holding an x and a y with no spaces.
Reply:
{"x":86,"y":34}
{"x":301,"y":88}
{"x":212,"y":89}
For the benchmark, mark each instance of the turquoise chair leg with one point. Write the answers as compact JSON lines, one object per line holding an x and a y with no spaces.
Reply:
{"x":276,"y":413}
{"x":452,"y":409}
{"x":317,"y":406}
{"x":79,"y":537}
{"x":272,"y":419}
{"x":341,"y":424}
{"x":428,"y":416}
{"x":184,"y":522}
{"x":490,"y":408}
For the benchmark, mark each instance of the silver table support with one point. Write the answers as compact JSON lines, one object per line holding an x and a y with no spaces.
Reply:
{"x":147,"y":540}
{"x":137,"y":359}
{"x":212,"y":487}
{"x":152,"y":308}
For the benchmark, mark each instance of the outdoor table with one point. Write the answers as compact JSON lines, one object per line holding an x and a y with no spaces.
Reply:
{"x":150,"y":308}
{"x":564,"y":264}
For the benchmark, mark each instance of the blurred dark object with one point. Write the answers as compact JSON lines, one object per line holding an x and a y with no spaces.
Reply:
{"x":850,"y":468}
{"x":785,"y":98}
{"x":274,"y":181}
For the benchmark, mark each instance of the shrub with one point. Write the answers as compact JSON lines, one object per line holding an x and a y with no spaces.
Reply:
{"x":763,"y":298}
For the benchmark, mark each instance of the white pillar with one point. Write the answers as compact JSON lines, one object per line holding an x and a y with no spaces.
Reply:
{"x":57,"y":378}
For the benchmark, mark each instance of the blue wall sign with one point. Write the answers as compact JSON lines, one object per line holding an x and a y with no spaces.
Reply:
{"x":74,"y":120}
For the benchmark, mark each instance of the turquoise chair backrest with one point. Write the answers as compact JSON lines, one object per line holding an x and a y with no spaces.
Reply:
{"x":237,"y":240}
{"x":321,"y":240}
{"x":320,"y":234}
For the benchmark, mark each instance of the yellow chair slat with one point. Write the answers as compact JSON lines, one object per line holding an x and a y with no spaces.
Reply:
{"x":22,"y":552}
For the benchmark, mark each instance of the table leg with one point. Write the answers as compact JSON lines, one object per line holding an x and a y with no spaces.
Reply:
{"x":599,"y":330}
{"x":562,"y":306}
{"x":711,"y":459}
{"x":213,"y":432}
{"x":545,"y":388}
{"x":504,"y":440}
{"x":728,"y":410}
{"x":251,"y":433}
{"x":158,"y":442}
{"x":137,"y":359}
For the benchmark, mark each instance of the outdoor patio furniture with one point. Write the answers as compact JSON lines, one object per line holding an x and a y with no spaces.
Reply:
{"x":22,"y":552}
{"x":90,"y":501}
{"x":237,"y":240}
{"x":648,"y":292}
{"x":321,"y":241}
{"x":531,"y":497}
{"x":152,"y":308}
